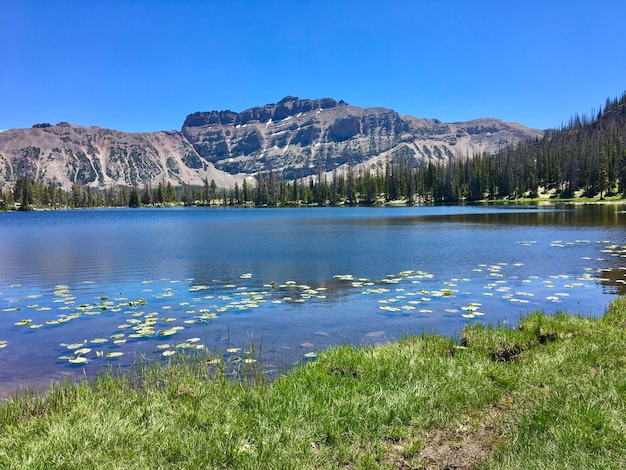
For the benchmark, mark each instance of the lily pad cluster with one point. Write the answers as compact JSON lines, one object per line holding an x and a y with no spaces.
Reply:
{"x":172,"y":316}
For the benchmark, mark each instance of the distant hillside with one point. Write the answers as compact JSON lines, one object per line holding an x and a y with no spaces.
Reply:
{"x":586,"y":158}
{"x":293,"y":137}
{"x":99,"y":157}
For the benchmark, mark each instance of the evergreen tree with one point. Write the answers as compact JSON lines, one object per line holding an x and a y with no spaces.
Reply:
{"x":146,"y":197}
{"x":133,"y":198}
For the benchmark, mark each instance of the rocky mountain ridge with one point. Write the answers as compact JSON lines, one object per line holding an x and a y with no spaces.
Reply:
{"x":295,"y":137}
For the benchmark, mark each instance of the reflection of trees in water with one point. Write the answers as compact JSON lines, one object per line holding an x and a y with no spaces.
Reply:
{"x":614,"y":281}
{"x":561,"y":215}
{"x":613,"y":277}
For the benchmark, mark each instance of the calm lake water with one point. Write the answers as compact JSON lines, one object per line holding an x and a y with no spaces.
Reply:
{"x":77,"y":288}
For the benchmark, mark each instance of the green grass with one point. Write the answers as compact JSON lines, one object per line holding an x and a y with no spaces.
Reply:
{"x":549,"y":394}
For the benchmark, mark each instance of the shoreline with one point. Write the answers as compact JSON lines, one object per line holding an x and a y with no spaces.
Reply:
{"x":399,"y":203}
{"x":500,"y":397}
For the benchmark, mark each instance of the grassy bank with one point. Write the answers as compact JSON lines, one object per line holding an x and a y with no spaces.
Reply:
{"x":550,"y":394}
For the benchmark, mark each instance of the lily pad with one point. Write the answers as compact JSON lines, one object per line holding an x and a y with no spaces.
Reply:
{"x":77,"y":360}
{"x":167,"y":332}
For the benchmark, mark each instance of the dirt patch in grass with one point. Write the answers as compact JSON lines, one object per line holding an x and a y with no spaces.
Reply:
{"x":459,"y":447}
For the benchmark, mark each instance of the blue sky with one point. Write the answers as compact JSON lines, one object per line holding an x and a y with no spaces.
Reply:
{"x":144,"y":65}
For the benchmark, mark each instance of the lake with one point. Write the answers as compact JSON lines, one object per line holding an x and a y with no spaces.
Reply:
{"x":84,"y":289}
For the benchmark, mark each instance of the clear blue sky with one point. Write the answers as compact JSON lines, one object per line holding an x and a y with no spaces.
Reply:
{"x":144,"y":65}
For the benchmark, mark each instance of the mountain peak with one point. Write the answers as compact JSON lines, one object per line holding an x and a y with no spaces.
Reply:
{"x":288,"y":106}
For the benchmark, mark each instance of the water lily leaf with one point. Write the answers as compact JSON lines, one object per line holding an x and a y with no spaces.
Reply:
{"x":78,"y":360}
{"x":98,"y":340}
{"x":114,"y":354}
{"x":82,"y":351}
{"x":169,"y":353}
{"x":233,"y":350}
{"x":24,"y":322}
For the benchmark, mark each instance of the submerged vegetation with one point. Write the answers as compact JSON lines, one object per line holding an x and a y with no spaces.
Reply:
{"x":586,"y":158}
{"x":550,"y":393}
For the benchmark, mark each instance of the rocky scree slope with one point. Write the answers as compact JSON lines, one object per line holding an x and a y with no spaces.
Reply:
{"x":69,"y":154}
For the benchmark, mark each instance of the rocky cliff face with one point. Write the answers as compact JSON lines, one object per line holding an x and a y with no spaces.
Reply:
{"x":296,"y":137}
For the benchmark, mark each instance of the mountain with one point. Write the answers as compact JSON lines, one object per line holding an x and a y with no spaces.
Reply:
{"x":296,"y":137}
{"x":67,"y":153}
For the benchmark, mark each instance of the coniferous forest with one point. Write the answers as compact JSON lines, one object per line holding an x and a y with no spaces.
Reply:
{"x":584,"y":158}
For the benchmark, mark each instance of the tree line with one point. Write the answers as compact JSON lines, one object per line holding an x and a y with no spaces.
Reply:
{"x":586,"y":157}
